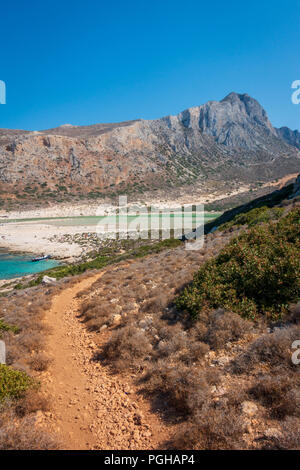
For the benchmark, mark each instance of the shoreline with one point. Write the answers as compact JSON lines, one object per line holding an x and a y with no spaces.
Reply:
{"x":103,"y":204}
{"x":67,"y":240}
{"x":100,"y":207}
{"x":16,"y":278}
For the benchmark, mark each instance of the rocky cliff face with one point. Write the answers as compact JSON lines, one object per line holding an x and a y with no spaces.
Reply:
{"x":236,"y":121}
{"x":230,"y":140}
{"x":289,"y":136}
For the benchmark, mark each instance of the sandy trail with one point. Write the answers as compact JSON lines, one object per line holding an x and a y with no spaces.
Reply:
{"x":90,"y":408}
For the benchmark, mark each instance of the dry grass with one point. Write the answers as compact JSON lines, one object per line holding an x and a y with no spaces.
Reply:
{"x":211,"y":429}
{"x":25,"y":437}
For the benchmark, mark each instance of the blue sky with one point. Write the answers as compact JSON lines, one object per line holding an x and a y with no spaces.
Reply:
{"x":97,"y":61}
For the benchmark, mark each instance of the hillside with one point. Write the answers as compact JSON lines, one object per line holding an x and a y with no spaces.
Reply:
{"x":167,"y":348}
{"x":218,"y":145}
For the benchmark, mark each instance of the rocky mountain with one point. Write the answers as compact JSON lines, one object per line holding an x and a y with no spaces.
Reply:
{"x":226,"y":142}
{"x":291,"y":137}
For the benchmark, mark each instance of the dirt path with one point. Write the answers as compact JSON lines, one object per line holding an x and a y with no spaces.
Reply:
{"x":90,"y":408}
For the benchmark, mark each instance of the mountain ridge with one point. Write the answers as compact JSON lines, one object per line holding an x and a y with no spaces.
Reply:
{"x":228,"y":142}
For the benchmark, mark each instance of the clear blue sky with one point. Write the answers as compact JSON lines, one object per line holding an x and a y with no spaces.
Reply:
{"x":83,"y":62}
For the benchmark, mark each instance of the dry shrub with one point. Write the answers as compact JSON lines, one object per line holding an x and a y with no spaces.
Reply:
{"x":226,"y":327}
{"x":25,"y":437}
{"x":278,"y":394}
{"x":289,"y":438}
{"x":32,"y":401}
{"x":31,"y":340}
{"x":274,"y":349}
{"x":178,"y":345}
{"x":155,"y":304}
{"x":295,"y":312}
{"x":97,"y":313}
{"x":126,"y":347}
{"x":185,"y":388}
{"x":211,"y":429}
{"x":39,"y":362}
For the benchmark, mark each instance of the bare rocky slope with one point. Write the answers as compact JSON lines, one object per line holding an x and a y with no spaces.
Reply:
{"x":227,"y":142}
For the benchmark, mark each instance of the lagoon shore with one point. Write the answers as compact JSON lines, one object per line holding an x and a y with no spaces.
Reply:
{"x":60,"y":240}
{"x":42,"y":238}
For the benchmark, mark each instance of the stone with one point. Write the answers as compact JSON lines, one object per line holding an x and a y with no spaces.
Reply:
{"x":272,"y":433}
{"x":116,"y":319}
{"x":249,"y":408}
{"x":222,"y":361}
{"x":48,"y":280}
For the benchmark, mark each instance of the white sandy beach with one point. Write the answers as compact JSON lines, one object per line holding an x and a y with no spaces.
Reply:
{"x":41,"y":237}
{"x":35,"y":238}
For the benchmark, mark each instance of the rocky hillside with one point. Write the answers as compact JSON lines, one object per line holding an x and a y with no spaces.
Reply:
{"x":291,"y":137}
{"x":227,"y":142}
{"x":162,"y":347}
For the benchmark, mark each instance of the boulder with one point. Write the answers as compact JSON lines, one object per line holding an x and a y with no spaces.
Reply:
{"x":48,"y":280}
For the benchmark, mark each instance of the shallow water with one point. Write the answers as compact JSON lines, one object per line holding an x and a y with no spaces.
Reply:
{"x":94,"y":220}
{"x":12,"y":265}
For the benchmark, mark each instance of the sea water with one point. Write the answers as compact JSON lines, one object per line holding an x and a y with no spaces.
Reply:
{"x":15,"y":265}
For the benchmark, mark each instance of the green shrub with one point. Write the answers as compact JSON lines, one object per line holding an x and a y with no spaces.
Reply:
{"x":257,"y":273}
{"x":254,"y":217}
{"x":13,"y":383}
{"x":6,"y":327}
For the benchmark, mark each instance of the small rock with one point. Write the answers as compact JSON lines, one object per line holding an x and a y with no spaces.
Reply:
{"x":249,"y":408}
{"x":48,"y":280}
{"x":146,"y":322}
{"x":138,"y":417}
{"x":115,"y":319}
{"x":222,"y":361}
{"x":220,"y":391}
{"x":272,"y":433}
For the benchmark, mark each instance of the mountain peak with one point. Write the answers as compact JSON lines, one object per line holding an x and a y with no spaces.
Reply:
{"x":233,"y":96}
{"x":226,"y":141}
{"x":238,"y":120}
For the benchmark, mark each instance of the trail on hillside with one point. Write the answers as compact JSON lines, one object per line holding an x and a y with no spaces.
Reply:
{"x":90,"y":407}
